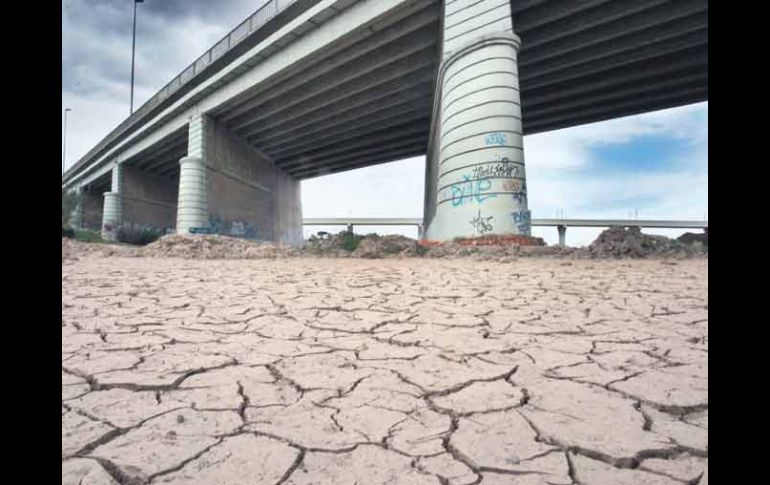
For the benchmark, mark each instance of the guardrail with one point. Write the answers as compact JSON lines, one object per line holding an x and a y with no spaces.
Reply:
{"x":560,"y":224}
{"x":264,"y":14}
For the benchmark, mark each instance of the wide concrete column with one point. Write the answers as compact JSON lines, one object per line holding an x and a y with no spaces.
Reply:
{"x":92,"y":204}
{"x":475,"y":178}
{"x":148,"y":201}
{"x":112,"y":215}
{"x":228,"y":187}
{"x":76,"y":217}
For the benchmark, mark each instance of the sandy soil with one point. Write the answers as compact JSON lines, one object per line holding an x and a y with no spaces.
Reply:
{"x":402,"y":371}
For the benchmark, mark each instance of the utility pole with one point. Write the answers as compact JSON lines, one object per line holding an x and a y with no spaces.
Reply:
{"x":64,"y":143}
{"x":133,"y":56}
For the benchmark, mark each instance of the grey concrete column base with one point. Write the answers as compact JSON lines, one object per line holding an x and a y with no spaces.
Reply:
{"x":76,"y":217}
{"x":111,"y":216}
{"x":192,"y":206}
{"x":562,"y":235}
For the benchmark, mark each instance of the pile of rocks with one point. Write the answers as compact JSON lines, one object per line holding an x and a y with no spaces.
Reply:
{"x":374,"y":246}
{"x":615,"y":242}
{"x":630,"y":242}
{"x":214,"y":247}
{"x":348,"y":245}
{"x":72,"y":249}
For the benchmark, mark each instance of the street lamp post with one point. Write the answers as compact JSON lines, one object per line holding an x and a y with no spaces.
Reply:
{"x":64,"y":143}
{"x":133,"y":55}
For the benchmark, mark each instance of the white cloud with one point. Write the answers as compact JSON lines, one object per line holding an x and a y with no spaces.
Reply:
{"x":560,"y":177}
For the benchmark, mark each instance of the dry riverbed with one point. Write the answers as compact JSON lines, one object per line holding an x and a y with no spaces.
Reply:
{"x":402,"y":371}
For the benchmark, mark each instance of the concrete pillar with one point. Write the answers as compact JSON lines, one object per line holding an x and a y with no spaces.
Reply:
{"x":562,"y":235}
{"x":92,"y":204}
{"x":148,"y":201}
{"x":112,"y":215}
{"x":476,"y":183}
{"x":191,"y":211}
{"x":228,"y":187}
{"x":76,"y":218}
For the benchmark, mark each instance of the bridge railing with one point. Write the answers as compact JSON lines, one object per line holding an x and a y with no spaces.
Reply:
{"x":253,"y":23}
{"x":560,"y":224}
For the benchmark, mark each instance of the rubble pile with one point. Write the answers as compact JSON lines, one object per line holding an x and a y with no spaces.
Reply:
{"x":374,"y":246}
{"x":692,"y":238}
{"x":630,"y":242}
{"x":500,"y":240}
{"x":72,"y":249}
{"x":215,"y":247}
{"x":615,"y":242}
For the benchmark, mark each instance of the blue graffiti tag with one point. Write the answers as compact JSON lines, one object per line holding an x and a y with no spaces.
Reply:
{"x":521,"y":217}
{"x":471,"y":190}
{"x":496,"y":139}
{"x":523,"y":221}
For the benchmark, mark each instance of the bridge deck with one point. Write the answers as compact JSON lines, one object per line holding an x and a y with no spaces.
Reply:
{"x":366,"y":96}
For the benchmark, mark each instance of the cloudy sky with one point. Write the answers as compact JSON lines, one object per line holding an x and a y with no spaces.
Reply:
{"x":651,"y":166}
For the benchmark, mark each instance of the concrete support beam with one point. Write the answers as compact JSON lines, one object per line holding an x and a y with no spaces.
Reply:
{"x":148,"y":200}
{"x":361,"y":125}
{"x":363,"y":48}
{"x":76,"y":217}
{"x":403,"y":56}
{"x":562,"y":235}
{"x":227,"y":187}
{"x":91,"y":210}
{"x":192,"y":211}
{"x":112,"y":215}
{"x":475,"y":179}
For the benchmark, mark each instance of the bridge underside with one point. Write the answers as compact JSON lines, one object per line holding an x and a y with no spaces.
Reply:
{"x":369,"y":99}
{"x":367,"y":96}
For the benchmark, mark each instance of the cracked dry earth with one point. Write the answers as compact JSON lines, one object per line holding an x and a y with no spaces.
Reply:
{"x":328,"y":371}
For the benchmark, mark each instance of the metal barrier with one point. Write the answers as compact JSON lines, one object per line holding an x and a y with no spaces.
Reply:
{"x":253,"y":23}
{"x":560,"y":224}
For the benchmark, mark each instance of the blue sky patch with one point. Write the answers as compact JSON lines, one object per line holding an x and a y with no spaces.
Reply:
{"x":645,"y":154}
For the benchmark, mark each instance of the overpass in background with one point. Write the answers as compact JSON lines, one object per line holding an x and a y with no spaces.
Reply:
{"x":560,"y":224}
{"x":304,"y":88}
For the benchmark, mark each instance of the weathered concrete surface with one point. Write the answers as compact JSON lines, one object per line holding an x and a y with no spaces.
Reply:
{"x":538,"y":371}
{"x":148,"y":200}
{"x":242,"y":192}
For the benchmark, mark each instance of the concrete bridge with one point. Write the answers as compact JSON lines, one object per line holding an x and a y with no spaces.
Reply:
{"x":305,"y":88}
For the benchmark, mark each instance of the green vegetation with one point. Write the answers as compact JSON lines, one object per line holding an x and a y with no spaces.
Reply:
{"x":350,"y":241}
{"x":138,"y":237}
{"x":88,"y":236}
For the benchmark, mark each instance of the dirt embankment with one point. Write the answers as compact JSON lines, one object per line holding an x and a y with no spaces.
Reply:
{"x":616,"y":242}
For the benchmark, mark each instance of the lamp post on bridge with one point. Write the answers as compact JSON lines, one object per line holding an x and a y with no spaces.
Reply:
{"x":64,"y":143}
{"x":133,"y":56}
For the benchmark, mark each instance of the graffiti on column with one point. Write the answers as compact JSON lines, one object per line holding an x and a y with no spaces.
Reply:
{"x":215,"y":224}
{"x":243,"y":229}
{"x":496,"y":139}
{"x":470,"y":190}
{"x":511,"y":185}
{"x":520,"y":196}
{"x":500,"y":169}
{"x":481,"y":224}
{"x":523,"y":220}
